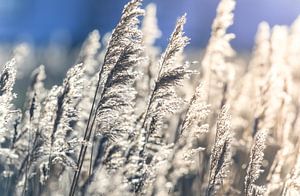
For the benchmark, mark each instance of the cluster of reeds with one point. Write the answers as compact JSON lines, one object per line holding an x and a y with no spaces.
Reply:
{"x":128,"y":120}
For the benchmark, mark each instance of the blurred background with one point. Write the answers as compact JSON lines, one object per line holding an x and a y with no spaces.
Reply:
{"x":41,"y":22}
{"x":55,"y":29}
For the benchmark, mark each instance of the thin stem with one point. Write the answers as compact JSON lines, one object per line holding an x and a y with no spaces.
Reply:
{"x":85,"y":139}
{"x":141,"y":152}
{"x":82,"y":159}
{"x":87,"y":134}
{"x":88,"y":131}
{"x":27,"y":164}
{"x":152,"y":93}
{"x":96,"y":165}
{"x":92,"y":152}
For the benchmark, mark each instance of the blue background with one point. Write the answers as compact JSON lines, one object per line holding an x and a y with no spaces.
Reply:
{"x":69,"y":21}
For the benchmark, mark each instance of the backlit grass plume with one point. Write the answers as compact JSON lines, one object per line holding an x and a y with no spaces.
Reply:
{"x":254,"y":167}
{"x":7,"y":81}
{"x":128,"y":119}
{"x":220,"y":158}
